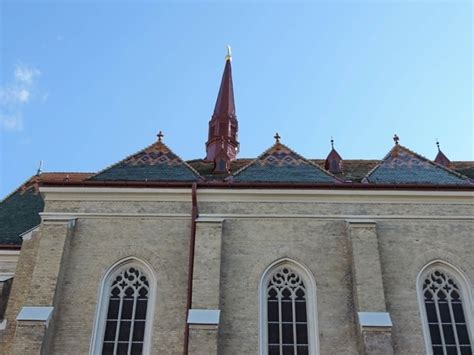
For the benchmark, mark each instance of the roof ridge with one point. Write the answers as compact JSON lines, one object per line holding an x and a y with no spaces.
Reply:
{"x":417,"y":155}
{"x":292,"y":151}
{"x":17,"y":189}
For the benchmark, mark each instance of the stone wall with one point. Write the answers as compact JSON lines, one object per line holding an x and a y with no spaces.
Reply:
{"x":254,"y":235}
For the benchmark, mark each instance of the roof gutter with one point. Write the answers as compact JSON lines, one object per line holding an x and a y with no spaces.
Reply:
{"x":10,"y":247}
{"x":262,"y":185}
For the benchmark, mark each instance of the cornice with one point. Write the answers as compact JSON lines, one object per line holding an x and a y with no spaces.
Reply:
{"x":257,"y":195}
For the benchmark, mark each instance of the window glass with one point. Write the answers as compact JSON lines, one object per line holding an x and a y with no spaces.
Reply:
{"x":445,"y":315}
{"x":126,"y":312}
{"x":287,"y":327}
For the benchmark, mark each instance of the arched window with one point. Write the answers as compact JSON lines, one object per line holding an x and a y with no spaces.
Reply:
{"x":288,"y":311}
{"x":446,"y":309}
{"x":124,"y":316}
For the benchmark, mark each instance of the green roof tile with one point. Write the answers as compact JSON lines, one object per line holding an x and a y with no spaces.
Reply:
{"x":19,"y":212}
{"x":402,"y":166}
{"x":280,"y":164}
{"x":154,"y":163}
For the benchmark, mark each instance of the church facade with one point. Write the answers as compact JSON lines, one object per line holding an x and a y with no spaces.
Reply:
{"x":274,"y":255}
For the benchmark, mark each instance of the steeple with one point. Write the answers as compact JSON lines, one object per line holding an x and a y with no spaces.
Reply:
{"x":222,"y":146}
{"x":441,"y":159}
{"x":333,"y":160}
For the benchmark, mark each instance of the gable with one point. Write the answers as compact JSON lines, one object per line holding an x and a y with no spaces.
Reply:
{"x":402,"y":166}
{"x":154,"y":163}
{"x":280,"y":164}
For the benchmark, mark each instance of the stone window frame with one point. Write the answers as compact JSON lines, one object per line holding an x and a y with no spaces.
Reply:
{"x":311,"y":304}
{"x":103,"y":302}
{"x":465,"y":292}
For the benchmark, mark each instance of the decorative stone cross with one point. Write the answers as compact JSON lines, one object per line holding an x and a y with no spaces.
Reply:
{"x":160,"y":136}
{"x":396,"y":138}
{"x":277,"y":138}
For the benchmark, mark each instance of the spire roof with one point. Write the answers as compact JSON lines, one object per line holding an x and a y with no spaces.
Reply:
{"x":333,"y":161}
{"x":222,"y":146}
{"x":154,"y":163}
{"x":403,"y":166}
{"x":225,"y":105}
{"x":441,"y":158}
{"x":280,"y":164}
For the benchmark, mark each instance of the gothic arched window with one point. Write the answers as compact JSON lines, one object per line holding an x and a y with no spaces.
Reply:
{"x":445,"y":309}
{"x":124,"y":316}
{"x":288,"y":311}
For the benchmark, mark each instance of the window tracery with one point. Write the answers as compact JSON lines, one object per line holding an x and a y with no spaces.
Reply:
{"x":287,"y":318}
{"x":124,"y":315}
{"x":445,"y":313}
{"x":288,"y":311}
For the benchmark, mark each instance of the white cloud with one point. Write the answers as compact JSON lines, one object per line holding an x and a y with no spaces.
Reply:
{"x":11,"y":122}
{"x":23,"y":95}
{"x":25,"y":74}
{"x":9,"y":96}
{"x":15,"y":95}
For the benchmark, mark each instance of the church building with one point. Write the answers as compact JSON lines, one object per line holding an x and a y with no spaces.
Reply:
{"x":276,"y":255}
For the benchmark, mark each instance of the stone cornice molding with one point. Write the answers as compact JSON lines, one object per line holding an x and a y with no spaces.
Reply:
{"x":256,"y":195}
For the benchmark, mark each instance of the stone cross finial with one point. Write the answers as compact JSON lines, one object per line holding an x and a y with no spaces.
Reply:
{"x":160,"y":136}
{"x":396,"y":138}
{"x":277,"y":138}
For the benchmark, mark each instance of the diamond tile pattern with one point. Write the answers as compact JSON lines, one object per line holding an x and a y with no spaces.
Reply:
{"x":402,"y":166}
{"x":154,"y":163}
{"x":281,"y":164}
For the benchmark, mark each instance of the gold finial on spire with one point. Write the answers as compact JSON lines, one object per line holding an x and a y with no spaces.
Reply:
{"x":229,"y":53}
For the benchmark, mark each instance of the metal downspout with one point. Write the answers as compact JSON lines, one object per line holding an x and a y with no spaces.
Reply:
{"x":192,"y":241}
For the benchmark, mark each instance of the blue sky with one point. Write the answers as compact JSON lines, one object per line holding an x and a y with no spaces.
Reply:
{"x":86,"y":83}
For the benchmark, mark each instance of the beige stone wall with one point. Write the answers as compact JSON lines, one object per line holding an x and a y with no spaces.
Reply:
{"x":253,"y":237}
{"x":8,"y":261}
{"x":96,"y":245}
{"x":405,"y":248}
{"x":250,"y":246}
{"x":20,"y":289}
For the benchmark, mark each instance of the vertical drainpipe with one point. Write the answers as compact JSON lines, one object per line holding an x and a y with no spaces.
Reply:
{"x":192,"y":241}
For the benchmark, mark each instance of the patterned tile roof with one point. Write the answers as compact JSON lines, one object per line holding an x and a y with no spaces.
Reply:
{"x":154,"y":163}
{"x":282,"y":165}
{"x":18,"y":213}
{"x":20,"y":210}
{"x":402,"y":166}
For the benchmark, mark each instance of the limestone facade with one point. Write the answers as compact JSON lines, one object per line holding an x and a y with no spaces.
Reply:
{"x":363,"y":248}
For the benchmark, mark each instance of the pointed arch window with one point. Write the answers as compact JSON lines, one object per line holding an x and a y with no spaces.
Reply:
{"x":288,"y":311}
{"x":446,"y":311}
{"x":124,"y":316}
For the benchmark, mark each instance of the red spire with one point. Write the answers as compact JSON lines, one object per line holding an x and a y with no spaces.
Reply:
{"x":225,"y":105}
{"x":442,"y":159}
{"x":333,"y":161}
{"x":222,"y":146}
